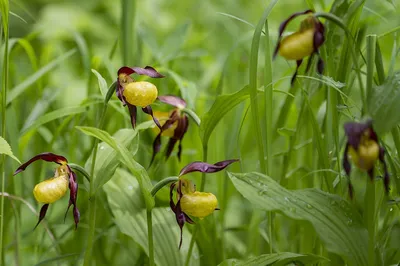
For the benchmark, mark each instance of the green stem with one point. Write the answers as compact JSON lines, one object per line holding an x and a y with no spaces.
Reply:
{"x":5,"y":10}
{"x":370,"y":210}
{"x":370,"y":195}
{"x":163,"y":183}
{"x":269,"y":105}
{"x":371,"y":48}
{"x":202,"y":185}
{"x":150,"y":237}
{"x":127,"y":31}
{"x":92,"y":196}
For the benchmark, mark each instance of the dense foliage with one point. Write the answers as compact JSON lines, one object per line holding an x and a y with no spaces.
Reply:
{"x":200,"y":132}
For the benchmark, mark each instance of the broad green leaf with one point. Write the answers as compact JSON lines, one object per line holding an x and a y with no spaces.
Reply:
{"x":6,"y":149}
{"x":335,"y":220}
{"x":222,"y":105}
{"x":107,"y":159}
{"x":276,"y":259}
{"x":20,"y":88}
{"x":126,"y":158}
{"x":53,"y":116}
{"x":102,"y":82}
{"x":384,"y":103}
{"x":127,"y":206}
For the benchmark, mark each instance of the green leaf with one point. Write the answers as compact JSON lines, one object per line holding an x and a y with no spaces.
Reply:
{"x":335,"y":220}
{"x":384,"y":103}
{"x":127,"y":159}
{"x":222,"y":105}
{"x":127,"y":204}
{"x":53,"y":116}
{"x":20,"y":88}
{"x":276,"y":259}
{"x":107,"y":159}
{"x":6,"y":149}
{"x":102,"y":82}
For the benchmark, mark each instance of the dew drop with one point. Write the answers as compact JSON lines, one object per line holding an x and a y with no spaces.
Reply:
{"x":130,"y":187}
{"x":101,"y":147}
{"x":391,"y":209}
{"x":309,"y":206}
{"x":349,"y":222}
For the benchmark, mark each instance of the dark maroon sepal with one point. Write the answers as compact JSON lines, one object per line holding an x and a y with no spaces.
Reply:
{"x":354,"y":132}
{"x":132,"y":113}
{"x":206,"y":167}
{"x":149,"y":111}
{"x":46,"y":156}
{"x":147,"y":71}
{"x":386,"y":178}
{"x":172,"y":100}
{"x":42,"y":214}
{"x":119,"y":90}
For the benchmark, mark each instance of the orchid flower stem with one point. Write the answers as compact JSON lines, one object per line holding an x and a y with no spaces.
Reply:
{"x":150,"y":237}
{"x":370,"y":194}
{"x":92,"y":195}
{"x":202,"y":185}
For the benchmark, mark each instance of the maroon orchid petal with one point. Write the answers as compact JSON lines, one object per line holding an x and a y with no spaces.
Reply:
{"x":147,"y":71}
{"x":119,"y":90}
{"x":171,"y":197}
{"x":354,"y":132}
{"x":179,"y":133}
{"x":125,"y":70}
{"x":172,"y":100}
{"x":42,"y":214}
{"x":170,"y":147}
{"x":206,"y":167}
{"x":283,"y":26}
{"x":149,"y":111}
{"x":132,"y":112}
{"x":77,"y":216}
{"x":386,"y":179}
{"x":319,"y":35}
{"x":73,"y":194}
{"x":47,"y":156}
{"x":157,"y":141}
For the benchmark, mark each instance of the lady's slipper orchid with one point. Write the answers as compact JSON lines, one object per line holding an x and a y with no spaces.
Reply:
{"x":188,"y":200}
{"x":54,"y":188}
{"x":174,"y":127}
{"x":302,"y":43}
{"x":137,"y":93}
{"x":364,"y":150}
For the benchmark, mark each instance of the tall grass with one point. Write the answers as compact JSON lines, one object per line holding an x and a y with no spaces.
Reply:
{"x":285,"y":202}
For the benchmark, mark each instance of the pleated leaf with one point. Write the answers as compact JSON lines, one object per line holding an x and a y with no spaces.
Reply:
{"x":276,"y":259}
{"x":127,"y":205}
{"x":127,"y":159}
{"x":335,"y":220}
{"x":385,"y":103}
{"x":107,"y":159}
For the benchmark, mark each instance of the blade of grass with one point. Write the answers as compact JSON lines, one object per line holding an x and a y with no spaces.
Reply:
{"x":4,"y":9}
{"x":20,"y":88}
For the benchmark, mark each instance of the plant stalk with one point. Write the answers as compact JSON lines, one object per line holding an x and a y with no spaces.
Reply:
{"x":5,"y":28}
{"x":150,"y":237}
{"x":92,"y":195}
